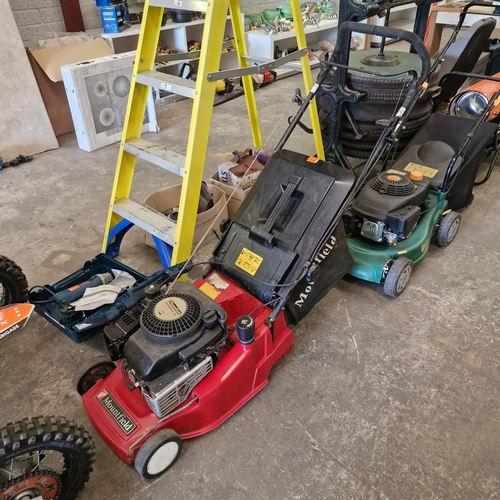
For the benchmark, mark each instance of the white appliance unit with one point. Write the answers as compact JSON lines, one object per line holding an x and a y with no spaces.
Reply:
{"x":98,"y":92}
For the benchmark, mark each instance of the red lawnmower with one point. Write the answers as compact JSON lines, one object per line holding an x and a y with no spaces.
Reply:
{"x":190,"y":356}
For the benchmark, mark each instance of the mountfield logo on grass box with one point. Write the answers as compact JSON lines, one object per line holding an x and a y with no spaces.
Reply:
{"x":113,"y":408}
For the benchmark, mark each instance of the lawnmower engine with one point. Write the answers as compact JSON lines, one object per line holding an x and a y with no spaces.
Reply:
{"x":169,"y":343}
{"x":388,"y":208}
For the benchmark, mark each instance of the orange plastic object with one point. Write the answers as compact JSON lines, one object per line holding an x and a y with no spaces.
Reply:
{"x":416,"y":176}
{"x":393,"y":178}
{"x":488,"y":89}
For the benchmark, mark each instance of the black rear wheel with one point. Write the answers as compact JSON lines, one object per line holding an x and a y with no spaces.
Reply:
{"x":13,"y":283}
{"x":448,"y":229}
{"x":92,"y":372}
{"x":398,"y":277}
{"x":45,"y":457}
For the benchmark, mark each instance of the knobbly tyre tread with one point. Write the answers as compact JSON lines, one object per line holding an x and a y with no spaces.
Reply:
{"x":54,"y":433}
{"x":16,"y":281}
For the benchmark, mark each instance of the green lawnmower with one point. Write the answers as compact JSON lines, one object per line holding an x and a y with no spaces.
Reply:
{"x":399,"y":212}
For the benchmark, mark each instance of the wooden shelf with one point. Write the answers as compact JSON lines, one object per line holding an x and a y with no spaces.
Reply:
{"x":260,"y":44}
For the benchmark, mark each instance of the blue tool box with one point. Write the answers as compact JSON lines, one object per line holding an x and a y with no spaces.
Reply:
{"x":50,"y":310}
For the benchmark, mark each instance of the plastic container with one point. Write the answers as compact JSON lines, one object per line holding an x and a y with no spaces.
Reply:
{"x":106,"y":3}
{"x":50,"y":310}
{"x":181,"y":16}
{"x":255,"y":19}
{"x":271,"y":15}
{"x":286,"y":11}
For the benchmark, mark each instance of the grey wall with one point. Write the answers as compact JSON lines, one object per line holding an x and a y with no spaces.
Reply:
{"x":25,"y":127}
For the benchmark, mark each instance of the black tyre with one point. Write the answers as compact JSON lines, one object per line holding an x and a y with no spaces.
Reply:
{"x":45,"y":457}
{"x":158,"y":454}
{"x":398,"y":277}
{"x":448,"y":229}
{"x":13,"y":283}
{"x":92,"y":372}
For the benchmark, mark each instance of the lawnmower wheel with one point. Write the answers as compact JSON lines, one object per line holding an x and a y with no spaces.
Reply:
{"x":448,"y":229}
{"x":158,"y":454}
{"x":91,"y":372}
{"x":398,"y":277}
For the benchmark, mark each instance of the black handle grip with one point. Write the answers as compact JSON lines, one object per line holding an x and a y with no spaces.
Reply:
{"x":398,"y":34}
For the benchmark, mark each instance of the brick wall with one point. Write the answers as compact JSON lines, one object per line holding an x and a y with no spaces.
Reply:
{"x":34,"y":18}
{"x":37,"y":17}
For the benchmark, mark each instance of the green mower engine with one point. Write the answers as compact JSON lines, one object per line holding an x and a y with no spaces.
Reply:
{"x":388,"y":208}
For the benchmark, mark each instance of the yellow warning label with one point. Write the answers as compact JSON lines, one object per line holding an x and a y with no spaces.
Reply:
{"x":427,"y":171}
{"x":209,"y":290}
{"x":249,"y":261}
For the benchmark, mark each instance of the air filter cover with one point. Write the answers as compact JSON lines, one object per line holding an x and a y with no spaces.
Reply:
{"x":171,"y":318}
{"x":392,"y":184}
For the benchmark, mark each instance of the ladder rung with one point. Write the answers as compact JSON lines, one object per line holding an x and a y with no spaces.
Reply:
{"x":153,"y":153}
{"x":196,"y":5}
{"x":170,"y":83}
{"x":152,"y":222}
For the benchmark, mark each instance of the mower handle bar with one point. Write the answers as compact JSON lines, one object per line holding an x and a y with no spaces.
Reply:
{"x":461,"y":19}
{"x":479,"y":3}
{"x":470,"y":75}
{"x":385,"y":32}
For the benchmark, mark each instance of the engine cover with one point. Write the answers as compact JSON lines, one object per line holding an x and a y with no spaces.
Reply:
{"x":389,"y":191}
{"x":172,"y":330}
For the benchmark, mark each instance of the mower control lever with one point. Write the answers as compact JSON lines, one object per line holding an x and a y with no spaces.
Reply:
{"x":297,"y":98}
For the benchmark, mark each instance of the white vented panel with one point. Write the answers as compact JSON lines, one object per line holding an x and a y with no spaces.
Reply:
{"x":98,"y":92}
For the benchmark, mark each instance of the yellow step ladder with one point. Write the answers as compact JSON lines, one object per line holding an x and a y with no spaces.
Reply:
{"x":174,"y":240}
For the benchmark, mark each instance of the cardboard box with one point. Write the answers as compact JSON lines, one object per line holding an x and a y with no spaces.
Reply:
{"x":164,"y":200}
{"x":46,"y":65}
{"x":98,"y":93}
{"x":241,"y":176}
{"x":238,"y":194}
{"x":223,"y":171}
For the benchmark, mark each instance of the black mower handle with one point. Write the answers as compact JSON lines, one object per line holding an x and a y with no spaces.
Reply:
{"x":382,"y":31}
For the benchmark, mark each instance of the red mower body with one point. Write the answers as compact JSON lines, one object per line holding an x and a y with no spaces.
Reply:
{"x":124,"y":420}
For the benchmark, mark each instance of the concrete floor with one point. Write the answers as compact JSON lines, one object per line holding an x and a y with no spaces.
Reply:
{"x":379,"y":399}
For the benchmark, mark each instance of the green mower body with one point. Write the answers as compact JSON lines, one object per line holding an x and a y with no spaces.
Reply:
{"x":372,"y":260}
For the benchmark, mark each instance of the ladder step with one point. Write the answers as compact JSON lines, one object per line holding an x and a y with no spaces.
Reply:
{"x":170,"y":83}
{"x":152,"y":222}
{"x":196,"y":5}
{"x":153,"y":153}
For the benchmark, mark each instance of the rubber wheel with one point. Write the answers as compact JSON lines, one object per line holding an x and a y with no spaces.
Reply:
{"x":44,"y":456}
{"x":158,"y":454}
{"x":92,"y":372}
{"x":448,"y":229}
{"x":398,"y":277}
{"x":13,"y":283}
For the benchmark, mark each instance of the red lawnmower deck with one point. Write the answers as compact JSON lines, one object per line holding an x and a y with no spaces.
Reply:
{"x":124,"y":420}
